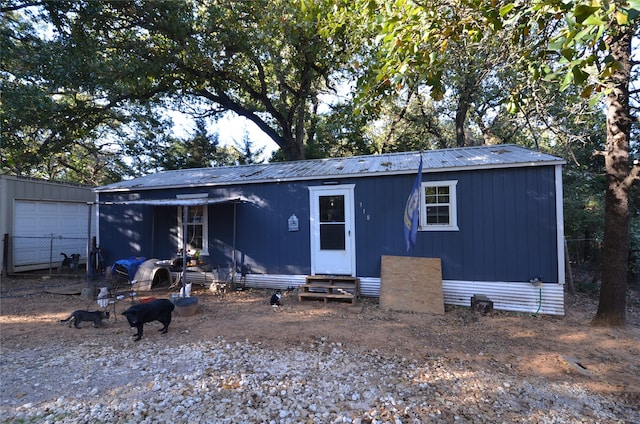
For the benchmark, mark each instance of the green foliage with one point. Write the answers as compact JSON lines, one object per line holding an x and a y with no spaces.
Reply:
{"x":575,"y":44}
{"x":413,"y":122}
{"x":90,"y":68}
{"x":573,"y":49}
{"x":51,"y":128}
{"x":340,"y":132}
{"x":247,"y":152}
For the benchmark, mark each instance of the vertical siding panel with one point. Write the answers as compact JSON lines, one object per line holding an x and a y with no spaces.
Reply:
{"x":534,"y":217}
{"x":166,"y":232}
{"x":260,"y":229}
{"x":549,"y":263}
{"x":295,"y":254}
{"x":391,"y":219}
{"x":379,"y":207}
{"x":476,"y":204}
{"x":498,"y":217}
{"x":469,"y":228}
{"x":491,"y":241}
{"x":518,"y":232}
{"x":285,"y":248}
{"x":374,"y":211}
{"x":552,"y":228}
{"x":510,"y":228}
{"x":368,"y":238}
{"x":255,"y":226}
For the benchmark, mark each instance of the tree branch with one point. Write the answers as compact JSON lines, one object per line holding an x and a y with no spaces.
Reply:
{"x":14,"y":7}
{"x":229,"y":104}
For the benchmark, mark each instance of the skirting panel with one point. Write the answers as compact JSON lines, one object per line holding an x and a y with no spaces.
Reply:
{"x":518,"y":297}
{"x":507,"y":296}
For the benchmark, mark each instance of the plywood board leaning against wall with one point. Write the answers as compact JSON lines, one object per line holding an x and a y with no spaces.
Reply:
{"x":411,"y":284}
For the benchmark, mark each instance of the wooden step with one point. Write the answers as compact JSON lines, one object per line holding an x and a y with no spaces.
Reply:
{"x":326,"y":296}
{"x":330,"y":287}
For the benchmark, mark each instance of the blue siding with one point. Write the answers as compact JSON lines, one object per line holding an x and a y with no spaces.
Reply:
{"x":263,"y":239}
{"x":506,"y":217}
{"x":125,"y":231}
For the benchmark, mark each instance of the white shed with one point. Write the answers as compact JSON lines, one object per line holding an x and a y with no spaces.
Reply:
{"x":39,"y":219}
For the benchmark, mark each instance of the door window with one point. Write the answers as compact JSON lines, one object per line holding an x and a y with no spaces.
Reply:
{"x":332,"y":223}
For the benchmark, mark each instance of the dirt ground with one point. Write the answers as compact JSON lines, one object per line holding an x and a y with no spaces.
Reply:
{"x":557,"y":348}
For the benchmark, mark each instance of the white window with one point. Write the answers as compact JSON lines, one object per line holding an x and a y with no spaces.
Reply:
{"x":438,"y":206}
{"x":196,"y":229}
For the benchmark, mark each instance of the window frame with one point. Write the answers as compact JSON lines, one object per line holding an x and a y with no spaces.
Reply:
{"x":205,"y":229}
{"x":453,"y":206}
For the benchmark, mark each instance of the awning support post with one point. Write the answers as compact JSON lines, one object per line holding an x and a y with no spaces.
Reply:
{"x":185,"y":217}
{"x":89,"y":270}
{"x":233,"y":271}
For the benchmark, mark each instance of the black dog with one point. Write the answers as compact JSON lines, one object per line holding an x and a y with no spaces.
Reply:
{"x":78,"y":316}
{"x":70,"y":262}
{"x":275,"y":299}
{"x":158,"y":310}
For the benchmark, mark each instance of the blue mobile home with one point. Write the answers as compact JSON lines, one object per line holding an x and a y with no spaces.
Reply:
{"x":492,"y":214}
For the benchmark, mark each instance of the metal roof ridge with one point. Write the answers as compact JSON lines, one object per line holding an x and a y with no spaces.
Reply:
{"x":444,"y":159}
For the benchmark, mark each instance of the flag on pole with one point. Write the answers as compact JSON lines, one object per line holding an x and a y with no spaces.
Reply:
{"x":412,"y":210}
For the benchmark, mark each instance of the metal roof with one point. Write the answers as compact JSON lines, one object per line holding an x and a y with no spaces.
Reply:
{"x":479,"y":157}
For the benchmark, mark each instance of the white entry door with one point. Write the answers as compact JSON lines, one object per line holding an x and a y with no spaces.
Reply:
{"x":332,"y":230}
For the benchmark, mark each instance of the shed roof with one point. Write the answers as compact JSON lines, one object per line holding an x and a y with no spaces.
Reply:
{"x":479,"y":157}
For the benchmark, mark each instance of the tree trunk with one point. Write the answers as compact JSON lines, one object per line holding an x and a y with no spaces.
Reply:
{"x":461,"y":117}
{"x":612,"y":305}
{"x":292,"y":150}
{"x":465,"y":96}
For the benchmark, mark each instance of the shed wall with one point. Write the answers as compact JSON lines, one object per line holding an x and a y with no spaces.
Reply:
{"x":14,"y":188}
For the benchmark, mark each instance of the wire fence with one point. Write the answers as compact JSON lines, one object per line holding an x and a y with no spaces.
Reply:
{"x":585,"y":251}
{"x":46,"y":255}
{"x":585,"y":256}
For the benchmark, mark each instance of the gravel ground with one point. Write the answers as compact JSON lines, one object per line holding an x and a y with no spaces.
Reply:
{"x":320,"y":382}
{"x":237,"y":360}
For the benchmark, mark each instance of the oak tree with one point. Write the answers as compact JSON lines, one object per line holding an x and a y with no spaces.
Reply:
{"x":574,"y":43}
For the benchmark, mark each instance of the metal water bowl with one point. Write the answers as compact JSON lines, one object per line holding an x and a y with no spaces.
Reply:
{"x":186,"y":306}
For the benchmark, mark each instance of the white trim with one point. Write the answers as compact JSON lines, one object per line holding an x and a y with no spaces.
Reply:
{"x":97,"y":218}
{"x":453,"y":206}
{"x":192,"y":196}
{"x":205,"y":229}
{"x":560,"y":225}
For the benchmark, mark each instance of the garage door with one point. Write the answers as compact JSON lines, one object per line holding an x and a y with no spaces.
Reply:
{"x":42,"y":230}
